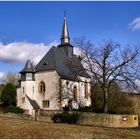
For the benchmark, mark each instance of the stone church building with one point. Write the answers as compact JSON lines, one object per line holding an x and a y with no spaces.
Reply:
{"x":58,"y":80}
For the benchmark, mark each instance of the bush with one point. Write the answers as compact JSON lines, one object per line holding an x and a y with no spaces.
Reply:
{"x":65,"y":117}
{"x":8,"y":95}
{"x":85,"y":109}
{"x":14,"y":109}
{"x":66,"y":108}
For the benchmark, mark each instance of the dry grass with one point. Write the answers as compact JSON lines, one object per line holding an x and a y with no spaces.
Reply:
{"x":20,"y":128}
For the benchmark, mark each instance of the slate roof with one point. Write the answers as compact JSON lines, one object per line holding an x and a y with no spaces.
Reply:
{"x":28,"y":67}
{"x":33,"y":103}
{"x":56,"y":59}
{"x":65,"y":45}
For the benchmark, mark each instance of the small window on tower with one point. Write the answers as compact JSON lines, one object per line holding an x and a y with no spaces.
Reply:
{"x":29,"y":76}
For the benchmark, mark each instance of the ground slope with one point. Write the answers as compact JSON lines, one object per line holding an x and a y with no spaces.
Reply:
{"x":21,"y":128}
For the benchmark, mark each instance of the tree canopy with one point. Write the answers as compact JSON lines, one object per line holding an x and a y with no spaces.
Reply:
{"x":9,"y":95}
{"x":111,"y":63}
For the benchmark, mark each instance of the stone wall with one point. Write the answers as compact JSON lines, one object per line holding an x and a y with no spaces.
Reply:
{"x":90,"y":119}
{"x":109,"y":120}
{"x":136,"y":102}
{"x":99,"y":119}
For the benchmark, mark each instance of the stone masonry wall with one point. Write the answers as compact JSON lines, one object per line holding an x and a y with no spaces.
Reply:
{"x":109,"y":120}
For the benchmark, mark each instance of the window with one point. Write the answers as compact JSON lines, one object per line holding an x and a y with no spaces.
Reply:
{"x":23,"y":99}
{"x":86,"y":89}
{"x":23,"y":90}
{"x":67,"y":83}
{"x":42,"y":87}
{"x":28,"y":76}
{"x":75,"y":93}
{"x":46,"y":63}
{"x":46,"y":104}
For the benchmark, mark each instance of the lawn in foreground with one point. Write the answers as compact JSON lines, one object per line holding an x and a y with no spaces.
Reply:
{"x":20,"y":128}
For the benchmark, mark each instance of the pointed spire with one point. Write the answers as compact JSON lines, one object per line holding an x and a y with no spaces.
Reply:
{"x":65,"y":34}
{"x":28,"y":67}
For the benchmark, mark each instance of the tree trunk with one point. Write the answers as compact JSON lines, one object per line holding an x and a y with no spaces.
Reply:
{"x":105,"y":100}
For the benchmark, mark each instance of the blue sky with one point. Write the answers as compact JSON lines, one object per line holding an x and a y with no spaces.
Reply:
{"x":28,"y":29}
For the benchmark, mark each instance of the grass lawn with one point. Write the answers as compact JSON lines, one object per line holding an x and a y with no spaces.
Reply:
{"x":20,"y":128}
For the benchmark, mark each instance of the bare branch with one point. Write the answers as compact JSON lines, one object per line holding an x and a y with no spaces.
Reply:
{"x":110,"y":63}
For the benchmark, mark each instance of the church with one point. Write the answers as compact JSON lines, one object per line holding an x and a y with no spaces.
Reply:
{"x":58,"y":80}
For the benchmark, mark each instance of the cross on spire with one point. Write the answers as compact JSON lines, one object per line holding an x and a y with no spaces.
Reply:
{"x":65,"y":13}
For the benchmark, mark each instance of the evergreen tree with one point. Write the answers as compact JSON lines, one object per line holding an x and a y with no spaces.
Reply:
{"x":9,"y":95}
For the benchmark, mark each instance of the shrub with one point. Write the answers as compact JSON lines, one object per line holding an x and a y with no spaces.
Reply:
{"x":8,"y":95}
{"x":14,"y":109}
{"x":65,"y":117}
{"x":66,"y":108}
{"x":85,"y":109}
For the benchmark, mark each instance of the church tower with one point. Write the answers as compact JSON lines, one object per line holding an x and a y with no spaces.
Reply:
{"x":27,"y":74}
{"x":65,"y":39}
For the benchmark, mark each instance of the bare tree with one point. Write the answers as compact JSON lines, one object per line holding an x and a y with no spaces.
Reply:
{"x":11,"y":77}
{"x":110,"y":63}
{"x":66,"y":92}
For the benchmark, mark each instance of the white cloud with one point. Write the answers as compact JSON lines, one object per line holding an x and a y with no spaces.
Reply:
{"x":2,"y":75}
{"x":18,"y":52}
{"x":137,"y":82}
{"x":135,"y":24}
{"x":77,"y":51}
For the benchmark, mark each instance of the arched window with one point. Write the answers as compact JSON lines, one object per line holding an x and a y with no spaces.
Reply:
{"x":86,"y":89}
{"x":42,"y":87}
{"x":75,"y":93}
